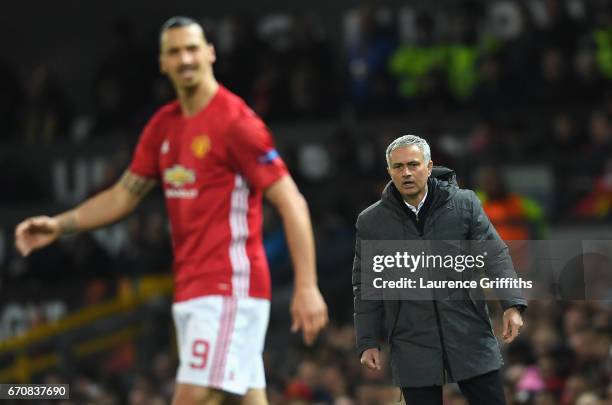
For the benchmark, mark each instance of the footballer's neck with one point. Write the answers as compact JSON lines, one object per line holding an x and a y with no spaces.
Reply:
{"x":195,"y":99}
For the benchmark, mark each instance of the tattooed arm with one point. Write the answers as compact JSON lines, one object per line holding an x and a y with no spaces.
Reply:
{"x":102,"y":209}
{"x":108,"y":206}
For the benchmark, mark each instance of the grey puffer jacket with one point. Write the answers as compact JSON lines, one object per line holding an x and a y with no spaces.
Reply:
{"x":440,"y":340}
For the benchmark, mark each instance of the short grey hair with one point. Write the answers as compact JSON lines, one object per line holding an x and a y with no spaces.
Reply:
{"x":409,"y":140}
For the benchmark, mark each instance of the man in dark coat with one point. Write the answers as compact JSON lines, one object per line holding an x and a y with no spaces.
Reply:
{"x":437,"y":340}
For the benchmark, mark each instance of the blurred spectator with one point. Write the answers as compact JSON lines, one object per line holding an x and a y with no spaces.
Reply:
{"x":562,"y":143}
{"x":575,"y":386}
{"x":545,"y":398}
{"x":599,"y":147}
{"x":312,"y":94}
{"x":121,"y":82}
{"x":515,"y":217}
{"x":560,"y":28}
{"x":144,"y":392}
{"x":491,"y":93}
{"x":590,"y":85}
{"x":588,"y":398}
{"x":156,"y":242}
{"x":370,"y":86}
{"x":481,"y":145}
{"x":553,"y":383}
{"x":26,"y":187}
{"x":598,"y":204}
{"x":47,"y":114}
{"x":161,"y":92}
{"x":549,"y":92}
{"x":592,"y":174}
{"x":239,"y":67}
{"x":164,"y":372}
{"x":11,"y":99}
{"x":266,"y":89}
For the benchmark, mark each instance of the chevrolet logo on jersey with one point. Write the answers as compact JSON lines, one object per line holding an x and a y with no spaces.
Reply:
{"x":178,"y":176}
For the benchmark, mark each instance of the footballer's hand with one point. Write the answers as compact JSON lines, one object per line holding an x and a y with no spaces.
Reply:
{"x":35,"y":233}
{"x":308,"y":313}
{"x":371,"y":359}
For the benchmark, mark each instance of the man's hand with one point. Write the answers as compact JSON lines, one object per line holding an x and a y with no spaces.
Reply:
{"x":371,"y":359}
{"x":308,"y":313}
{"x":512,"y":324}
{"x":35,"y":233}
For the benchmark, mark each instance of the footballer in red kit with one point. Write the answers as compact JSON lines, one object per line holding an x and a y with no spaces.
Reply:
{"x":216,"y":161}
{"x":213,"y":167}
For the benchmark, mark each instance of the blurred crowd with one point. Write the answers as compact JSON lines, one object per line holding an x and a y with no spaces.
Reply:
{"x":562,"y":357}
{"x":489,"y":84}
{"x":500,"y":59}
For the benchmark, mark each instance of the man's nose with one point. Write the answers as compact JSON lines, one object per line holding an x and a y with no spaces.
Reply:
{"x":186,"y":57}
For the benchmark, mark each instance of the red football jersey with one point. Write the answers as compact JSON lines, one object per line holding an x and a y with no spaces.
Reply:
{"x":213,"y":168}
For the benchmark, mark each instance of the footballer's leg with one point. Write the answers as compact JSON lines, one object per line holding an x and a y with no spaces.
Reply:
{"x":187,"y":394}
{"x":255,"y":396}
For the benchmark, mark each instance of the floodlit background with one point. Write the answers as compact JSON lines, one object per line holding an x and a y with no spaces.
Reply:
{"x":516,"y":96}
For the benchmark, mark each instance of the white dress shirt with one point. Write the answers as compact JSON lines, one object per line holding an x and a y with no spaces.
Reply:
{"x":417,"y":208}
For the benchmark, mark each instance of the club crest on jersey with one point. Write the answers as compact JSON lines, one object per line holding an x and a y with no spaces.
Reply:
{"x":200,"y":146}
{"x":179,"y":175}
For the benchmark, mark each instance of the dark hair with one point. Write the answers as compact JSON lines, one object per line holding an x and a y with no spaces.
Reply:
{"x":176,"y":22}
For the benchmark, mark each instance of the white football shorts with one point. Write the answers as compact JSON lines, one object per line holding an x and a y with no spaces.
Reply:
{"x":221,"y":341}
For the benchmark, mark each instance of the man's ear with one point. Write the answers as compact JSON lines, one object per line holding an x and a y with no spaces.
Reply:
{"x":430,"y":167}
{"x":213,"y":53}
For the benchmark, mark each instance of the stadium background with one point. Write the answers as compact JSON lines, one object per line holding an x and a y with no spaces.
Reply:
{"x":513,"y":95}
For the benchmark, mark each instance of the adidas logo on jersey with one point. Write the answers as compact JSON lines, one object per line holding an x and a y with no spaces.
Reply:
{"x":165,"y":147}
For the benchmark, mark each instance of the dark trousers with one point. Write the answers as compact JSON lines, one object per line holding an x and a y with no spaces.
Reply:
{"x":485,"y":389}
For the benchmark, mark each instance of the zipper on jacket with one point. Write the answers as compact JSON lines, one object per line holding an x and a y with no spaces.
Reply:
{"x":446,"y":366}
{"x":420,"y":229}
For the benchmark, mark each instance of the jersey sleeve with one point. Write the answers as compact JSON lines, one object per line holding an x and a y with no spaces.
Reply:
{"x":145,"y":159}
{"x":252,"y":150}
